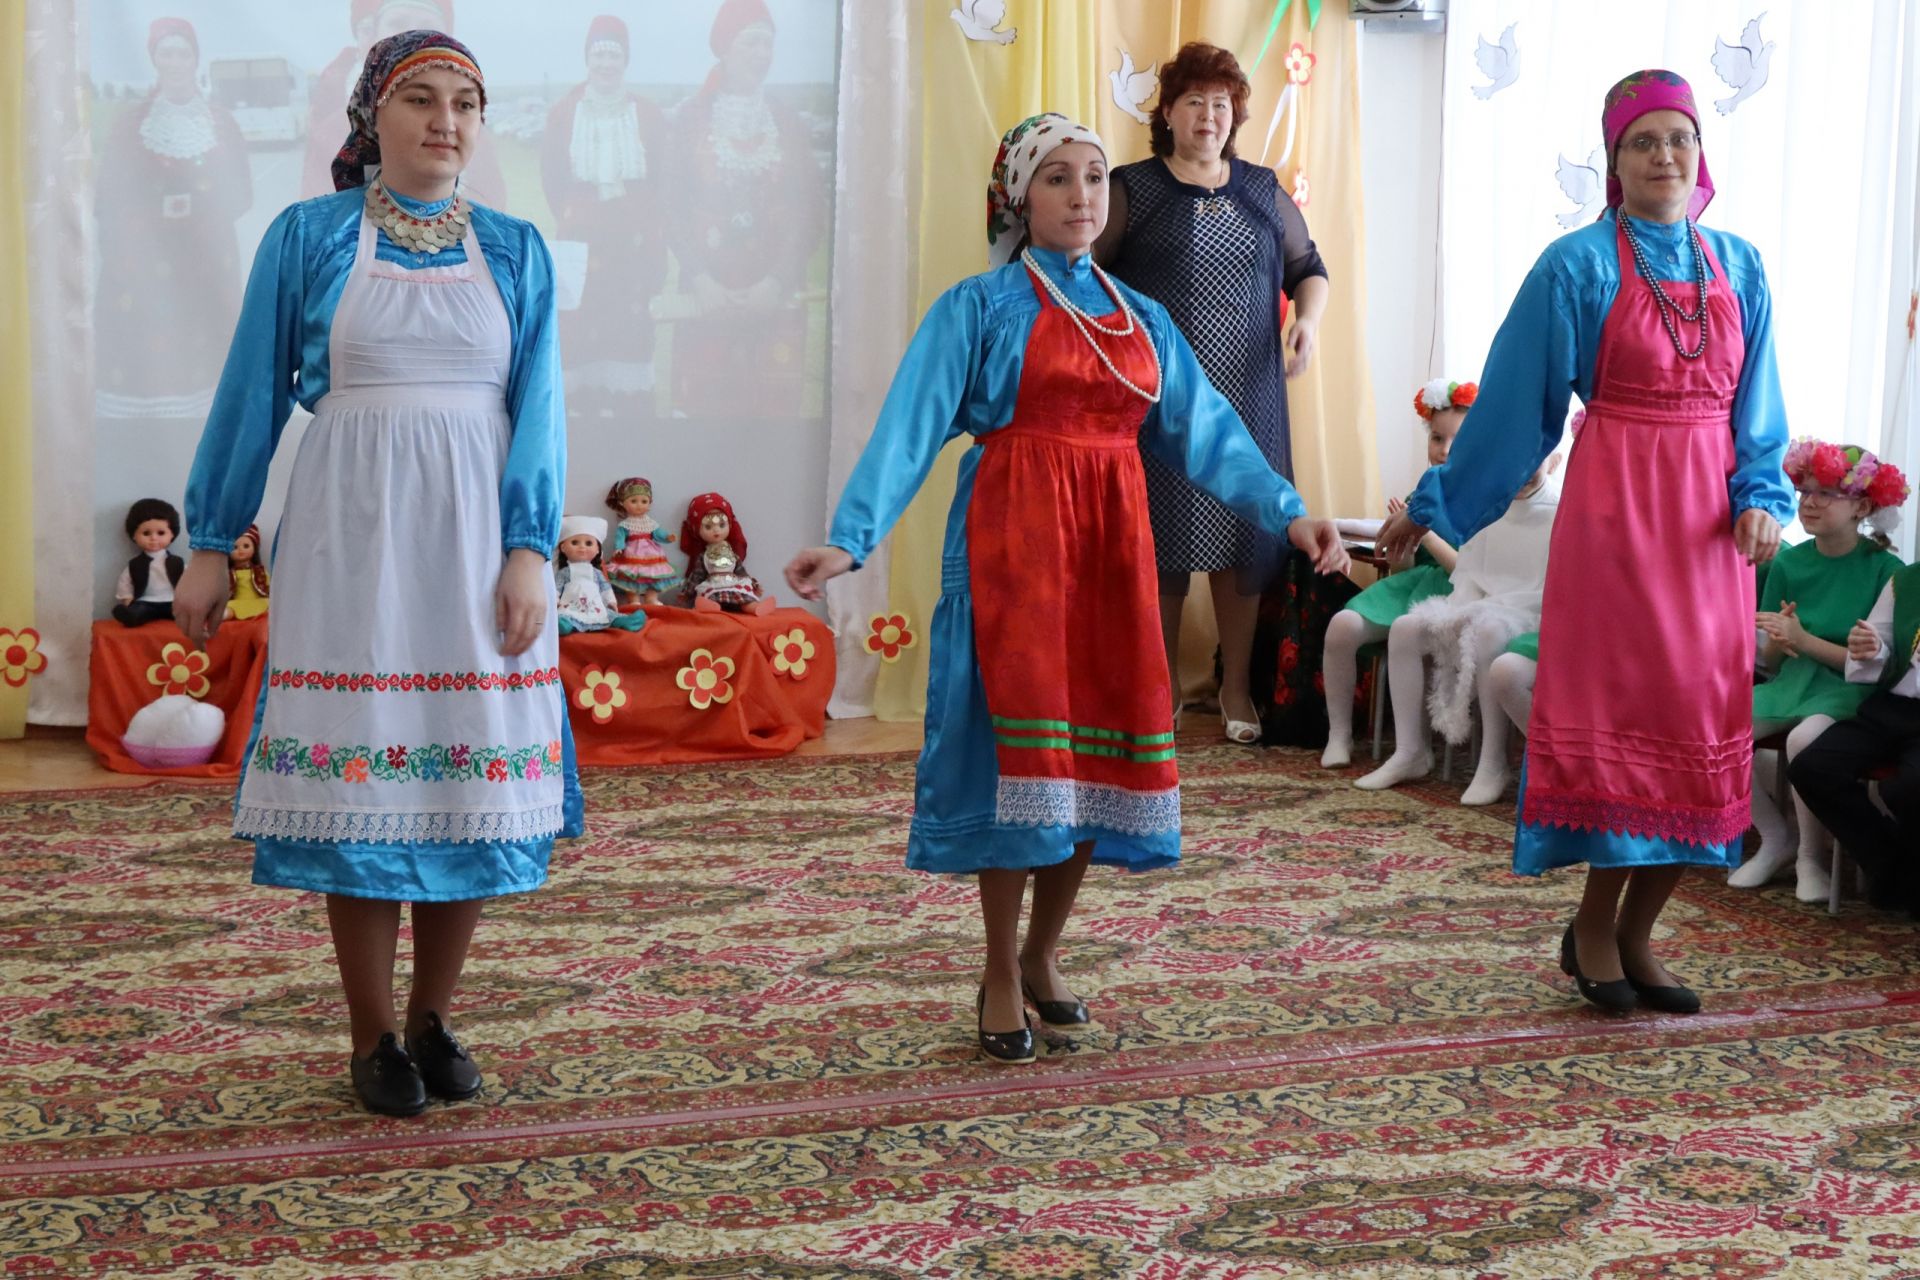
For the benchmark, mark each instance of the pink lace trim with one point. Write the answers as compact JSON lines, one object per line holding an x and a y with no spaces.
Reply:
{"x":1689,"y":824}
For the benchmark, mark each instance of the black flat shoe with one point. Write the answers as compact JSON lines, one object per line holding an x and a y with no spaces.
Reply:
{"x":1058,"y":1015}
{"x":445,"y":1068}
{"x":1007,"y":1048}
{"x":1615,"y":997}
{"x":387,"y":1082}
{"x":1666,"y":999}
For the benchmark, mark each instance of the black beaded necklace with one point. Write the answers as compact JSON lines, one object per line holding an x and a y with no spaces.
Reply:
{"x":1665,"y":304}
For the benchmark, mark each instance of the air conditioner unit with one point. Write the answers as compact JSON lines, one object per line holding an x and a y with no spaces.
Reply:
{"x":1422,"y":17}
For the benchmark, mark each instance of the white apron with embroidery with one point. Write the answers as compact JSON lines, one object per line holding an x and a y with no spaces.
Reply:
{"x":391,"y":714}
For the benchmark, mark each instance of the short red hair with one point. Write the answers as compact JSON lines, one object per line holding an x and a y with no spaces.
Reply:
{"x":1199,"y":66}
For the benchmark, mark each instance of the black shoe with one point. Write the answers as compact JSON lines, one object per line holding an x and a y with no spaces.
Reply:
{"x":387,"y":1082}
{"x":1615,"y":997}
{"x":1008,"y":1048}
{"x":1058,"y":1015}
{"x":1666,"y":999}
{"x":445,"y":1068}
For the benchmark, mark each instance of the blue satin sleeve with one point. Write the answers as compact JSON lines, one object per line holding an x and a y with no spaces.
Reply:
{"x":927,"y":405}
{"x":256,"y":393}
{"x":534,"y":484}
{"x":1194,"y":430}
{"x":1532,"y":371}
{"x":1759,"y":409}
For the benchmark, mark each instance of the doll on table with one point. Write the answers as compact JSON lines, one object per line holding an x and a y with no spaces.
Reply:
{"x":585,"y":597}
{"x":717,"y":577}
{"x":145,"y":591}
{"x":637,"y":563}
{"x":248,"y":597}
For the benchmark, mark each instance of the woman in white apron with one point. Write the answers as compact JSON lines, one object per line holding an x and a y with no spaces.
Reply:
{"x":411,"y":741}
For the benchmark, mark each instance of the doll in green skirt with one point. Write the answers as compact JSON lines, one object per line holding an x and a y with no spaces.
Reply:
{"x":1442,"y":406}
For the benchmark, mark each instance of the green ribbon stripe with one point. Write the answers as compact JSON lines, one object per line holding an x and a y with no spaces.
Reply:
{"x":1059,"y":735}
{"x":1061,"y":727}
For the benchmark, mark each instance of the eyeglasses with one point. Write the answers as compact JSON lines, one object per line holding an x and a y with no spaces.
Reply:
{"x":1818,"y":498}
{"x":1678,"y":143}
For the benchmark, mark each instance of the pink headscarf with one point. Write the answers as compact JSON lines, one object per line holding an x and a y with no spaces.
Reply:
{"x":1635,"y":96}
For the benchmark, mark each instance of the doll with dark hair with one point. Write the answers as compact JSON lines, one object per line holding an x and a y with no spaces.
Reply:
{"x":143,"y":595}
{"x":251,"y":583}
{"x":717,"y":577}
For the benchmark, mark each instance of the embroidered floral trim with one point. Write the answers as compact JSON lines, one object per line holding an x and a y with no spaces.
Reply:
{"x":412,"y":681}
{"x":1688,"y":824}
{"x":1063,"y":802}
{"x":433,"y":762}
{"x":256,"y":822}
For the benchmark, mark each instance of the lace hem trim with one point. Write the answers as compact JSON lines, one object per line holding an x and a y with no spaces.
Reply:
{"x":1063,"y":802}
{"x":334,"y":827}
{"x":1689,"y":824}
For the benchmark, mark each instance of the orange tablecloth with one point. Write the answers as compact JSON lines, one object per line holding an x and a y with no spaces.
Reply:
{"x":629,"y":700}
{"x":122,"y":661}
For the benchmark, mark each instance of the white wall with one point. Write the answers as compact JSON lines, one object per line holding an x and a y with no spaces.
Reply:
{"x":1400,"y":127}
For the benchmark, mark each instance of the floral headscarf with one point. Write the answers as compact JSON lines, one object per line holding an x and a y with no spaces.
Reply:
{"x":171,"y":29}
{"x":1023,"y":149}
{"x":1635,"y":96}
{"x":698,"y":509}
{"x":390,"y":63}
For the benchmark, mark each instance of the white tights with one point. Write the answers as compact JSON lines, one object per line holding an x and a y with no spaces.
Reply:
{"x":1506,"y":697}
{"x":1339,"y":672}
{"x":1778,"y":845}
{"x":1407,"y":685}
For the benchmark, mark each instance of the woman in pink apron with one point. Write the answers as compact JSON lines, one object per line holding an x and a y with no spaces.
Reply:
{"x":411,"y":742}
{"x":1640,"y":740}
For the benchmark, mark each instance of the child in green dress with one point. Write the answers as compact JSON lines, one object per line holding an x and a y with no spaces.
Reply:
{"x":1814,"y":594}
{"x":1442,"y":407}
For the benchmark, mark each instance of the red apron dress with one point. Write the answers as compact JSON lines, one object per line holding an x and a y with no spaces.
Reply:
{"x":1642,"y":731}
{"x":1057,"y":601}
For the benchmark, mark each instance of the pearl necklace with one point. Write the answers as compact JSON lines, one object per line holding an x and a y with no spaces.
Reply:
{"x":421,"y":235}
{"x":1666,"y":305}
{"x":1087,"y":324}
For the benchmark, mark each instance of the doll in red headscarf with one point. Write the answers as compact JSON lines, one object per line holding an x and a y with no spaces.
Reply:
{"x":717,"y":575}
{"x":248,"y":597}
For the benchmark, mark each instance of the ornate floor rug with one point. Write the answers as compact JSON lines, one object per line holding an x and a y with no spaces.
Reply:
{"x":733,"y":1038}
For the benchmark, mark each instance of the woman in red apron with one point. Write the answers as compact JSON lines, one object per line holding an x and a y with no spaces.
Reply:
{"x":1049,"y":731}
{"x":1640,"y":740}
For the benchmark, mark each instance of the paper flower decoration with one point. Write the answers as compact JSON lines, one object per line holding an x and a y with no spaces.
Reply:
{"x":706,"y":679}
{"x":791,"y":653}
{"x":181,"y":670}
{"x":602,"y":694}
{"x":20,"y":655}
{"x":890,"y":636}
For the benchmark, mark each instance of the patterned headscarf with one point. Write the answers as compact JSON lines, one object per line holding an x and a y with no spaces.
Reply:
{"x":608,"y":30}
{"x":732,"y":18}
{"x":1023,"y":149}
{"x":390,"y":63}
{"x":699,"y":508}
{"x":1635,"y":96}
{"x":171,"y":28}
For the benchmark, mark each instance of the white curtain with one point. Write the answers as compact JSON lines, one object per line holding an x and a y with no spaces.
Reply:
{"x":1900,"y":435}
{"x":876,"y":173}
{"x":1806,"y":165}
{"x":57,"y":161}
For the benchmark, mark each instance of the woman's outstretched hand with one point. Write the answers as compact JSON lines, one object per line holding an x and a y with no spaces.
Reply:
{"x":520,"y":600}
{"x":200,"y":597}
{"x":1398,"y":537}
{"x":1319,"y":539}
{"x":808,"y":572}
{"x":1756,"y":535}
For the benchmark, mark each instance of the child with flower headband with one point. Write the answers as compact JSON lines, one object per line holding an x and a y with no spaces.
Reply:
{"x":636,"y":563}
{"x":1441,"y":406}
{"x":1814,"y":594}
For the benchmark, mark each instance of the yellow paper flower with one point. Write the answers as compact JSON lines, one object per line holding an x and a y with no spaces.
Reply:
{"x":890,"y":636}
{"x":1300,"y":63}
{"x":181,"y":670}
{"x":20,"y":655}
{"x":791,"y":653}
{"x":706,"y":679}
{"x":603,"y":695}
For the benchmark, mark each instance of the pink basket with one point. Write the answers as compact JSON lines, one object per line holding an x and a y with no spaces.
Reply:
{"x":169,"y":757}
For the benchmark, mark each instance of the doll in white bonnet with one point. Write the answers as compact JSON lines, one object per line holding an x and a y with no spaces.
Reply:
{"x":586,"y":597}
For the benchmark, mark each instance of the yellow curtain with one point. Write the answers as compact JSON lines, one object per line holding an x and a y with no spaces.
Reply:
{"x":974,"y":91}
{"x":1068,"y":60}
{"x":18,"y":642}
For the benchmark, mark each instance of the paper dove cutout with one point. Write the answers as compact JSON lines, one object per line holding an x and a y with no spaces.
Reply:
{"x":1743,"y":66}
{"x":978,"y":18}
{"x":1132,"y":88}
{"x":1500,"y":63}
{"x":1586,"y":185}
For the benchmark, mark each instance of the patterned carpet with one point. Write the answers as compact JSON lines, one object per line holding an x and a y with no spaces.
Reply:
{"x":732,"y":1038}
